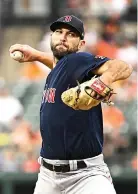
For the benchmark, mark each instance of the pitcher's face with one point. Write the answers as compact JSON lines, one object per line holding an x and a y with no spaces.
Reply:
{"x":65,"y":41}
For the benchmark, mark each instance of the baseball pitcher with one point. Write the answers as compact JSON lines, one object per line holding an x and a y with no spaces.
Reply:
{"x":71,"y":121}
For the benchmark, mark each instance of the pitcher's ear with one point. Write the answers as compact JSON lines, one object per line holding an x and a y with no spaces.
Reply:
{"x":81,"y":44}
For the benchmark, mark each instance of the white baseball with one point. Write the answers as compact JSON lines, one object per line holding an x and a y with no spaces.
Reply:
{"x":17,"y":55}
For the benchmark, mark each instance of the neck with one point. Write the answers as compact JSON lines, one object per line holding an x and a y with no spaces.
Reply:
{"x":55,"y":60}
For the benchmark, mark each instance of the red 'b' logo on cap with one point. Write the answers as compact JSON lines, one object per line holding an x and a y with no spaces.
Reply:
{"x":67,"y":18}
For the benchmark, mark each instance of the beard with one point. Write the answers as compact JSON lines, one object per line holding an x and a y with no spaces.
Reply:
{"x":59,"y":53}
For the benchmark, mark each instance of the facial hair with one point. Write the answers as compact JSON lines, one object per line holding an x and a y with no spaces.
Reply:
{"x":61,"y":53}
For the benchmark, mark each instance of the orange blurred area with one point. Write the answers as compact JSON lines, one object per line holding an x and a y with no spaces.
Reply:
{"x":106,"y":49}
{"x":113,"y":118}
{"x":134,"y":162}
{"x":32,"y":71}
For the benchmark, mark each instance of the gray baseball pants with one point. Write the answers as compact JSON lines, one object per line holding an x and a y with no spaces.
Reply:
{"x":94,"y":179}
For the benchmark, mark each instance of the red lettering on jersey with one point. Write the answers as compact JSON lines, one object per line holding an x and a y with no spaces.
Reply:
{"x":46,"y":95}
{"x":51,"y":95}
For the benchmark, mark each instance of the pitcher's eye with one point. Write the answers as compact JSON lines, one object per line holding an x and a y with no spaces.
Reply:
{"x":58,"y":31}
{"x":72,"y":34}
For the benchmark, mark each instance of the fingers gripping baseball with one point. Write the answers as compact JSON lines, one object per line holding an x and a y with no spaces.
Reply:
{"x":17,"y":55}
{"x":22,"y":53}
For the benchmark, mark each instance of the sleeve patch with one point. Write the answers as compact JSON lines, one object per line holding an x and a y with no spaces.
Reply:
{"x":99,"y":57}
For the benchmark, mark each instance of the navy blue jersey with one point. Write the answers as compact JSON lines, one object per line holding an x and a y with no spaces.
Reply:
{"x":67,"y":133}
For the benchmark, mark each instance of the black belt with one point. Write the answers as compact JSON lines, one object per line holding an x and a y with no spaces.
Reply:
{"x":63,"y":167}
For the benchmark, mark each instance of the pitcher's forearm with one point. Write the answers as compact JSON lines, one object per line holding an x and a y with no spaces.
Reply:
{"x":45,"y":59}
{"x":114,"y":70}
{"x":117,"y":70}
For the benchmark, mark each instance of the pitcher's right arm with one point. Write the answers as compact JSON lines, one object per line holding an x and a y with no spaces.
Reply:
{"x":31,"y":54}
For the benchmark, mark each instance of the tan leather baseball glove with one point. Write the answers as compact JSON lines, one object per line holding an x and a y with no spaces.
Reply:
{"x":87,"y":95}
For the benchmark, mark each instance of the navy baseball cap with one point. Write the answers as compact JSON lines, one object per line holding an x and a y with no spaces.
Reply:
{"x":72,"y":21}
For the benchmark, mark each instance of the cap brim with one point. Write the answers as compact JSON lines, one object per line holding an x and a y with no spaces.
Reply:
{"x":56,"y":24}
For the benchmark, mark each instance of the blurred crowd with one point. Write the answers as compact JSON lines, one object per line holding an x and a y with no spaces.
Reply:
{"x":109,"y":36}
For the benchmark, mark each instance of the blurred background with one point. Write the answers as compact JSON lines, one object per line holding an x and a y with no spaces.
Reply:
{"x":111,"y":30}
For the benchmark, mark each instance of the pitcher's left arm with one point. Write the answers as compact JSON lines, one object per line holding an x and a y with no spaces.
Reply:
{"x":90,"y":93}
{"x":113,"y":70}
